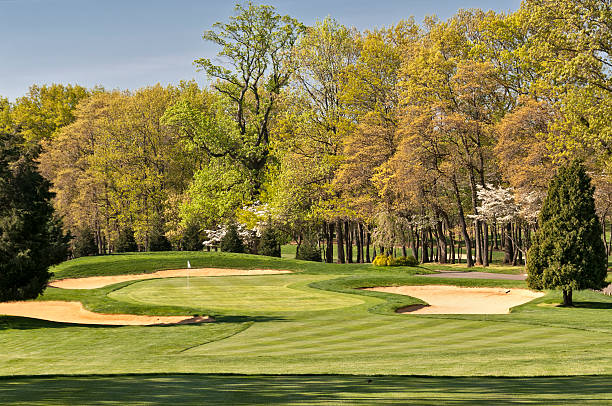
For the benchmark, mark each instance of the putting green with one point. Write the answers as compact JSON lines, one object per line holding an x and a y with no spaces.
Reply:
{"x":237,"y":294}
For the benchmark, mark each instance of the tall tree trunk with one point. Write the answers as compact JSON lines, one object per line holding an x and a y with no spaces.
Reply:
{"x":348,"y":242}
{"x":424,"y":247}
{"x":340,"y":242}
{"x":508,"y":251}
{"x":432,"y":254}
{"x":329,"y":249}
{"x":451,"y":237}
{"x":414,"y":243}
{"x":485,"y":244}
{"x":466,"y":237}
{"x":358,"y":243}
{"x":368,"y":247}
{"x":567,"y":297}
{"x":361,"y":239}
{"x":441,"y":243}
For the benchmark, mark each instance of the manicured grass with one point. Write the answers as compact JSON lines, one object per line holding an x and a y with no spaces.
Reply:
{"x":312,"y":322}
{"x":238,"y":295}
{"x":304,"y":390}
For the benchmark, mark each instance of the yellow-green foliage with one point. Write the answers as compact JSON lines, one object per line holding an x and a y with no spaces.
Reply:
{"x":387,"y":260}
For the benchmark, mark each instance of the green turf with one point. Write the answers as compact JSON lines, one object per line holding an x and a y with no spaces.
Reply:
{"x":237,"y":295}
{"x":310,"y":322}
{"x":305,"y":390}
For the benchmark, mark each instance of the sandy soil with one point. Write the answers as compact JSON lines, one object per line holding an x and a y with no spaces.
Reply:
{"x":74,"y":312}
{"x":95,"y":282}
{"x":443,"y":299}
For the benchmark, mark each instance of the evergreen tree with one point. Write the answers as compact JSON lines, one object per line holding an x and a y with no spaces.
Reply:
{"x":31,"y":238}
{"x":231,"y":241}
{"x":191,"y":240}
{"x":567,"y":251}
{"x":158,"y":241}
{"x":309,"y":250}
{"x":84,"y":243}
{"x":126,"y":242}
{"x":269,"y":244}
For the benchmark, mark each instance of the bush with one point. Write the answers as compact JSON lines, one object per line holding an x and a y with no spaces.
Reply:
{"x":191,"y":240}
{"x":84,"y":243}
{"x":387,"y":260}
{"x":231,"y":241}
{"x":126,"y":242}
{"x":406,"y":261}
{"x":269,"y":243}
{"x":309,"y":251}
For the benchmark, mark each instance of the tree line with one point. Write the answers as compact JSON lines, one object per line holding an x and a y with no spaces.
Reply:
{"x":436,"y":140}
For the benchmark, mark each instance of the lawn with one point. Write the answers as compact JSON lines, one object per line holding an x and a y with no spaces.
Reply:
{"x":311,"y":322}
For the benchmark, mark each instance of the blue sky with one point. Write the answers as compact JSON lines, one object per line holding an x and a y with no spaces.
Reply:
{"x":128,"y":44}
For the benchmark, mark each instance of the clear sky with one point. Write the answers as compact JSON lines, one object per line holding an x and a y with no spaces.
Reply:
{"x":128,"y":44}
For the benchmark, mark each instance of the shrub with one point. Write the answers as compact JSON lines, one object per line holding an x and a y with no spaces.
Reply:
{"x":387,"y":260}
{"x":406,"y":261}
{"x":84,"y":243}
{"x":231,"y":241}
{"x":126,"y":242}
{"x":269,"y":243}
{"x":309,"y":251}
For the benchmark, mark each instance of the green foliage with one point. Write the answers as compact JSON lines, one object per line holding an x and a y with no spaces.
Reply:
{"x":231,"y":241}
{"x":309,"y":251}
{"x":84,"y":243}
{"x":191,"y":239}
{"x":269,"y":244}
{"x":31,"y":239}
{"x":126,"y":242}
{"x":388,"y":260}
{"x":568,"y":252}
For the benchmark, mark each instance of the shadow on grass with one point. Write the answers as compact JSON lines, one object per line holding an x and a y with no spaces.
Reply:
{"x":243,"y":390}
{"x":25,"y":323}
{"x":593,"y":305}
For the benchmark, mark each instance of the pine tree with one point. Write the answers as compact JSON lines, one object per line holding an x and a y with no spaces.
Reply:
{"x":126,"y":242}
{"x":84,"y":243}
{"x":269,"y":244}
{"x":309,"y":250}
{"x":158,"y":240}
{"x":191,"y":240}
{"x":31,"y":238}
{"x":231,"y":241}
{"x":567,"y":251}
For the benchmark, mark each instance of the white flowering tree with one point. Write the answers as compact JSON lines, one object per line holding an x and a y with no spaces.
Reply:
{"x":512,"y":211}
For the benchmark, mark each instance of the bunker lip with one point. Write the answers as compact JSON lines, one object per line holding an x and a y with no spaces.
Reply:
{"x":446,"y":299}
{"x":74,"y":312}
{"x":94,"y":282}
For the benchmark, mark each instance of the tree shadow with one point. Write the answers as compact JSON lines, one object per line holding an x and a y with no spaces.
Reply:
{"x":25,"y":323}
{"x":299,"y":389}
{"x":593,"y":305}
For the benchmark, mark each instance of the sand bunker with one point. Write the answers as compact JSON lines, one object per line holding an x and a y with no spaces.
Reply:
{"x":95,"y":282}
{"x":443,"y":299}
{"x":74,"y":312}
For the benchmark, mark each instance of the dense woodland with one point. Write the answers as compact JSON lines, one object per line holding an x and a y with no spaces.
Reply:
{"x":434,"y":140}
